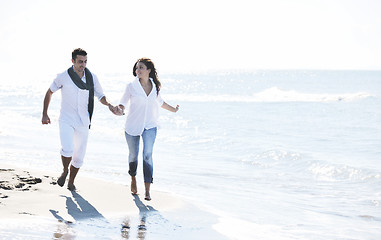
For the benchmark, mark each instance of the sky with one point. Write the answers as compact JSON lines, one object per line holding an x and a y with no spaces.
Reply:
{"x":190,"y":36}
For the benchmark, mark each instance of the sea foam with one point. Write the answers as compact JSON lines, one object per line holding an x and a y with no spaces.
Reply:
{"x":273,"y":94}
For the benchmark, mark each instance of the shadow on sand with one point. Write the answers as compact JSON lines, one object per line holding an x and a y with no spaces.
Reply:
{"x":79,"y":208}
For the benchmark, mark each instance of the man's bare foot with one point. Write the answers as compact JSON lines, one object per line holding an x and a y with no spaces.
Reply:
{"x":71,"y":187}
{"x":134,"y":189}
{"x":61,"y":180}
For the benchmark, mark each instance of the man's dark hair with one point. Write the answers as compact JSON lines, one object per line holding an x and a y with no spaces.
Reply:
{"x":78,"y":51}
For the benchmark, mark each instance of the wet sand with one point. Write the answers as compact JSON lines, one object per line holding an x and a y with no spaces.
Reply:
{"x":32,"y":205}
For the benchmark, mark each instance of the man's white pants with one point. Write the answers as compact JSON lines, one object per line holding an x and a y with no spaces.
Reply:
{"x":73,"y":142}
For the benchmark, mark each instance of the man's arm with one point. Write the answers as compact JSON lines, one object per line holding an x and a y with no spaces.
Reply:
{"x":105,"y":102}
{"x":48,"y":97}
{"x":110,"y":106}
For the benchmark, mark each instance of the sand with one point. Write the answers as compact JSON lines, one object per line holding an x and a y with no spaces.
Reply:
{"x":33,"y":206}
{"x":25,"y":193}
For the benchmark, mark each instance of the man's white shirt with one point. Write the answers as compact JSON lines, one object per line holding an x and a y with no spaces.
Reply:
{"x":74,"y":101}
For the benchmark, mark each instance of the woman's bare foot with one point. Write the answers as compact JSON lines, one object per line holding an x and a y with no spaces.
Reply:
{"x":147,"y":195}
{"x":134,"y":189}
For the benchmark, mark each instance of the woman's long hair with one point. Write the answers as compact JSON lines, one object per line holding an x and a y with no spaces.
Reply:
{"x":153,"y":74}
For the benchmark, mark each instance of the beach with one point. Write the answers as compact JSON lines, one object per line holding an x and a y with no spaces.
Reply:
{"x":250,"y":155}
{"x":33,"y":206}
{"x":277,"y":136}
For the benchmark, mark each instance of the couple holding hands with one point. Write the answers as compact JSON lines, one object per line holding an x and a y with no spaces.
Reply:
{"x":78,"y":87}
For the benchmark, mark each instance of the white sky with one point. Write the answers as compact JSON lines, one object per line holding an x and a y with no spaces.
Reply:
{"x":191,"y":36}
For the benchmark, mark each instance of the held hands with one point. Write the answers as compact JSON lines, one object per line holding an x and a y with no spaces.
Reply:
{"x":119,"y":111}
{"x":116,"y":110}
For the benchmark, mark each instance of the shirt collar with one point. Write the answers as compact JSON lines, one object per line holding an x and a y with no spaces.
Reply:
{"x":84,"y":74}
{"x":138,"y":86}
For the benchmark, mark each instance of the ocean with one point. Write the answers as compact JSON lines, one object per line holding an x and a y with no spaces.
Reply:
{"x":287,"y":154}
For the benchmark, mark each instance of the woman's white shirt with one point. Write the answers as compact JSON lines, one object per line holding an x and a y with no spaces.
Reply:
{"x":143,"y":111}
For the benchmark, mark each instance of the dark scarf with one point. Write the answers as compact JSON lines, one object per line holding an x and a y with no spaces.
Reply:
{"x":89,"y":85}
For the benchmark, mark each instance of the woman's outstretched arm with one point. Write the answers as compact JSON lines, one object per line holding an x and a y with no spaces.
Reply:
{"x":170,"y":108}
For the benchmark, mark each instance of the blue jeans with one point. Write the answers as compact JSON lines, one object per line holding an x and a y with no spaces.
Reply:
{"x":149,"y":136}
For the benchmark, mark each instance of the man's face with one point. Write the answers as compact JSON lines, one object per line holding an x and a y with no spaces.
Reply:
{"x":80,"y":63}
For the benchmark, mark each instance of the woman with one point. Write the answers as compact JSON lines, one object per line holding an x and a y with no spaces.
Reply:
{"x":143,"y":94}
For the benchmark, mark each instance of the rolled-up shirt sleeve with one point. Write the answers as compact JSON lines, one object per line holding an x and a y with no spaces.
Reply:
{"x":56,"y":84}
{"x":159,"y":100}
{"x":98,"y":91}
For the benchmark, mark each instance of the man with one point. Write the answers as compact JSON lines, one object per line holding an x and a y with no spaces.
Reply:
{"x":78,"y":87}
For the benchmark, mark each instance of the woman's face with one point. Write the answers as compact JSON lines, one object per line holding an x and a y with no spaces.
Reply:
{"x":142,"y":71}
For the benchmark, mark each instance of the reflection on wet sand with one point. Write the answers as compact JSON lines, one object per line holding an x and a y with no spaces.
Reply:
{"x":64,"y":231}
{"x":126,"y":229}
{"x":144,"y":212}
{"x":142,"y":228}
{"x":87,"y":217}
